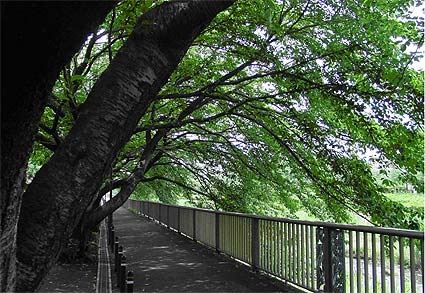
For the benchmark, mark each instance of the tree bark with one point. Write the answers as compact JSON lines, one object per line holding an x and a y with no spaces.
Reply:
{"x":57,"y":197}
{"x":38,"y":39}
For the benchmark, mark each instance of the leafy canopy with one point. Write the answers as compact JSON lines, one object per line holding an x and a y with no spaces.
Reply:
{"x":279,"y":106}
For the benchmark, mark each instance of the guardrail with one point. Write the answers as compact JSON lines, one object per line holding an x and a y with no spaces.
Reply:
{"x":317,"y":256}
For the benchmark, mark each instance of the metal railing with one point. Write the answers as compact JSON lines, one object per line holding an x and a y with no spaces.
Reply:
{"x":317,"y":256}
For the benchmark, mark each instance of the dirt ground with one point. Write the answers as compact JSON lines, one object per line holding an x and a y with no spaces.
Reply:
{"x":71,"y":278}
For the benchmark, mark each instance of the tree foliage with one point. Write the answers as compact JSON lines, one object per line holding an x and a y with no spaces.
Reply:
{"x":276,"y":107}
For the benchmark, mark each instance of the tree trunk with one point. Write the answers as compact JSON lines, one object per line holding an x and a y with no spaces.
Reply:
{"x":38,"y":39}
{"x":56,"y":199}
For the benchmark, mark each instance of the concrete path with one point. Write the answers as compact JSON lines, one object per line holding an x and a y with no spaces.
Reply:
{"x":164,"y":261}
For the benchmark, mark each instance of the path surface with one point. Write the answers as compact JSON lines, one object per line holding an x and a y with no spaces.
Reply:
{"x":164,"y":261}
{"x":79,"y":278}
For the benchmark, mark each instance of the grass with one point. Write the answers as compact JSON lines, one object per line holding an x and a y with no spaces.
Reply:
{"x":415,"y":200}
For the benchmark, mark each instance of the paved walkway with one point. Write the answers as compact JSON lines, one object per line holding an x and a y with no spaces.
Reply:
{"x":164,"y":261}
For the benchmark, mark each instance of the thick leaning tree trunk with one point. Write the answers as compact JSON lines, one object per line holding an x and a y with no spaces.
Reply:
{"x":59,"y":194}
{"x":38,"y":40}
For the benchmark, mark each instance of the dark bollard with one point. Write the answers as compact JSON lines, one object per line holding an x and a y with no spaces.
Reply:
{"x":130,"y":282}
{"x":112,"y":237}
{"x":118,"y":255}
{"x":109,"y":234}
{"x":122,"y":274}
{"x":115,"y":247}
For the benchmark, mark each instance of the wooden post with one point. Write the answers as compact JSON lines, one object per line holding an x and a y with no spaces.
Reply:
{"x":255,"y":243}
{"x":130,"y":282}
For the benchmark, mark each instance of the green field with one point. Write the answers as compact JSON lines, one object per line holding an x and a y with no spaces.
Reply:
{"x":415,"y":200}
{"x":408,"y":199}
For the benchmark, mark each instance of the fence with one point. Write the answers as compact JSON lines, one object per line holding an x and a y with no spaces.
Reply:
{"x":317,"y":256}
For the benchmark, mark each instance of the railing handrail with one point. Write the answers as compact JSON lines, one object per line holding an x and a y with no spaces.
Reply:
{"x":349,"y":227}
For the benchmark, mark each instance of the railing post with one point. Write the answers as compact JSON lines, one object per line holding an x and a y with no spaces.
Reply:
{"x":217,"y":232}
{"x":194,"y":224}
{"x":255,"y":243}
{"x":327,"y":260}
{"x":130,"y":282}
{"x":330,"y":260}
{"x":122,"y":274}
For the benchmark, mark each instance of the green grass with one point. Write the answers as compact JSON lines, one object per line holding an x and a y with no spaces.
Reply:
{"x":415,"y":200}
{"x":408,"y":199}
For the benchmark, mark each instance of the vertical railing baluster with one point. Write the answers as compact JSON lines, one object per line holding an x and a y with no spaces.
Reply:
{"x":247,"y":247}
{"x":178,"y":220}
{"x":291,"y":253}
{"x":383,"y":279}
{"x":285,"y":255}
{"x":350,"y":260}
{"x":422,"y":264}
{"x":401,"y":261}
{"x":231,"y":235}
{"x":217,"y":232}
{"x":272,"y":247}
{"x":255,"y":244}
{"x":281,"y":249}
{"x":358,"y":262}
{"x":194,"y":225}
{"x":374,"y":274}
{"x":308,"y":256}
{"x":240,"y":237}
{"x":412,"y":265}
{"x":242,"y":223}
{"x":313,"y":256}
{"x":275,"y":250}
{"x":168,"y":216}
{"x":366,"y":262}
{"x":265,"y":244}
{"x":392,"y":269}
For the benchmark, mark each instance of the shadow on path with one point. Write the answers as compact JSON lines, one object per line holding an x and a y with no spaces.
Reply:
{"x":164,"y":261}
